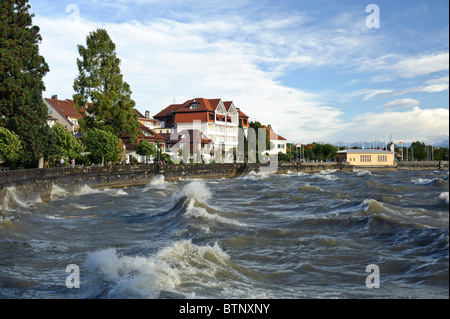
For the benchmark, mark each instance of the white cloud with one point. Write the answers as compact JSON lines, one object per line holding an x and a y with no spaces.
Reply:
{"x":422,"y":65}
{"x":427,"y":125}
{"x":401,"y":104}
{"x":164,"y":59}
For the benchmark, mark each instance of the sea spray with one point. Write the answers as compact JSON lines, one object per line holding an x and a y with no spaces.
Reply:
{"x":444,"y":196}
{"x":157,"y":182}
{"x":12,"y":200}
{"x":58,"y":192}
{"x":197,"y":193}
{"x":113,"y":275}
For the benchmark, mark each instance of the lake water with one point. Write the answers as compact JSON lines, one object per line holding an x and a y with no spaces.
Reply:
{"x":287,"y":236}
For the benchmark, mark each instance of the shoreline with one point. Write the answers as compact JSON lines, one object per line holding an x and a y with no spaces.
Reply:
{"x":35,"y":184}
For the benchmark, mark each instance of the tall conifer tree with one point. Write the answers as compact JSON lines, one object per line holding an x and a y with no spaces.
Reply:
{"x":22,"y":69}
{"x":101,"y":83}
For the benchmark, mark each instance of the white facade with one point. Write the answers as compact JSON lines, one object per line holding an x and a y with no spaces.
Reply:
{"x":223,"y":131}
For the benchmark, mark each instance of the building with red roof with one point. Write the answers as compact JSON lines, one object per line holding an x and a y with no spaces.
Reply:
{"x":63,"y":112}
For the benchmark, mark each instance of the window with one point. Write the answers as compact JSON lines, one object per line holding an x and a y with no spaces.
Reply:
{"x":50,"y":111}
{"x":245,"y":122}
{"x":211,"y":117}
{"x":194,"y":106}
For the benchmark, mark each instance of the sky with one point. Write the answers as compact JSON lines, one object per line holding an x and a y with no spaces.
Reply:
{"x":326,"y":71}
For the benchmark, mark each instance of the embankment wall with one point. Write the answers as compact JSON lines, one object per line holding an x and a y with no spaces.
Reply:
{"x":29,"y":184}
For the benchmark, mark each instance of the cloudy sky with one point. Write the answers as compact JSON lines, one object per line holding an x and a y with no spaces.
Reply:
{"x":316,"y":70}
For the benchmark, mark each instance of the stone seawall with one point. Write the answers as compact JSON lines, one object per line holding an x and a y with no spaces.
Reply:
{"x":33,"y":183}
{"x":415,"y":165}
{"x":30,"y":184}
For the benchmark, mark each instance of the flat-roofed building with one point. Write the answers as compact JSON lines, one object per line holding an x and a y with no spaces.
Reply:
{"x":366,"y":157}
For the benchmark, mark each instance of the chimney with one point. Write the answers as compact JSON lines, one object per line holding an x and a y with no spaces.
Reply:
{"x":147,"y":114}
{"x":54,"y":97}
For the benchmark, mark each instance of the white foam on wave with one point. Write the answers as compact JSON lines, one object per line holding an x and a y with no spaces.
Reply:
{"x":113,"y":275}
{"x":254,"y":176}
{"x":86,"y":190}
{"x":444,"y":196}
{"x":326,"y":175}
{"x":422,"y":181}
{"x":58,"y":192}
{"x":362,"y":172}
{"x":116,"y":192}
{"x":12,"y":200}
{"x":193,"y":211}
{"x":199,"y":191}
{"x":309,"y":187}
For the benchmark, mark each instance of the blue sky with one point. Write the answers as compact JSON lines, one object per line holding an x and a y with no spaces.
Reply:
{"x":313,"y":69}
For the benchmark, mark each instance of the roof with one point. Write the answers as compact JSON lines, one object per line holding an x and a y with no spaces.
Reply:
{"x":242,"y":114}
{"x":167,"y":111}
{"x":274,"y":136}
{"x":65,"y":107}
{"x":138,"y":113}
{"x":204,"y":105}
{"x":365,"y":151}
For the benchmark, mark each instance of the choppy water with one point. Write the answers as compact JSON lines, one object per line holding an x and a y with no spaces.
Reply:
{"x":259,"y":236}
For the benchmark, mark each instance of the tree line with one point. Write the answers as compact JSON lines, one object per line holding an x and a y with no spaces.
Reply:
{"x":101,"y":96}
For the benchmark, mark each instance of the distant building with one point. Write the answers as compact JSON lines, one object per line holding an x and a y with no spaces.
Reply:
{"x":218,"y":121}
{"x":63,"y":112}
{"x":144,"y":134}
{"x":147,"y":121}
{"x":366,"y":157}
{"x":277,"y":142}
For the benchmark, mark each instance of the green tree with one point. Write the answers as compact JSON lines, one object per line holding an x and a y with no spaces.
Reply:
{"x":22,"y":69}
{"x":419,"y":151}
{"x":64,"y":144}
{"x":10,"y":146}
{"x":145,"y":148}
{"x":104,"y":146}
{"x":101,"y":83}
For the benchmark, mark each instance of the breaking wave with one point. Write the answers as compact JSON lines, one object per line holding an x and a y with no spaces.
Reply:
{"x":183,"y":264}
{"x":13,"y":201}
{"x":195,"y":196}
{"x":403,"y":216}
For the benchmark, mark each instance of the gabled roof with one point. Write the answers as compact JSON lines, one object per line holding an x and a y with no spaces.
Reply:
{"x":204,"y":105}
{"x":273,"y":135}
{"x":138,"y":113}
{"x":167,"y":111}
{"x":242,"y":114}
{"x":227,"y":105}
{"x":65,"y":107}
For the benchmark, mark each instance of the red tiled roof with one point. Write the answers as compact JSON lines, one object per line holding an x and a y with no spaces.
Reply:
{"x":242,"y":114}
{"x":227,"y":105}
{"x":65,"y":107}
{"x":167,"y":111}
{"x":203,"y":105}
{"x":273,"y":135}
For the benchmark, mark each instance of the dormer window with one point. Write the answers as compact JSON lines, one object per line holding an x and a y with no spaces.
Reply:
{"x":193,"y":106}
